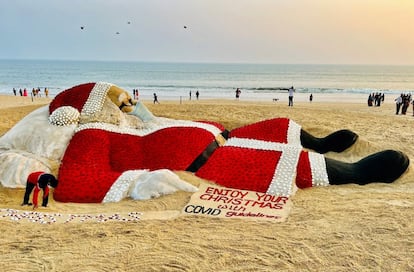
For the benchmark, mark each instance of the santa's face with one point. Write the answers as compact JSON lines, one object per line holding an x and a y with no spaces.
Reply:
{"x":122,"y":99}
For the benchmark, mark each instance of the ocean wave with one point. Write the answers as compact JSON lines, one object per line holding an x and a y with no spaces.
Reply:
{"x":213,"y":79}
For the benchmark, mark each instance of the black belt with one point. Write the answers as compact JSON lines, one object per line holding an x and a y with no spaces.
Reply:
{"x":205,"y":155}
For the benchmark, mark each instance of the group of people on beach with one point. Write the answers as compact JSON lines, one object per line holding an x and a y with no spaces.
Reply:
{"x":135,"y":93}
{"x":238,"y":91}
{"x":35,"y":92}
{"x":197,"y":94}
{"x":375,"y":99}
{"x":403,"y":102}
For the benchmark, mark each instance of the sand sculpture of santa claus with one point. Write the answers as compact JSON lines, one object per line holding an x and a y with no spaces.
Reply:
{"x":105,"y":146}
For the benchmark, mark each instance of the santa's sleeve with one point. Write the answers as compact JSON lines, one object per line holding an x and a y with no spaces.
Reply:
{"x":85,"y":174}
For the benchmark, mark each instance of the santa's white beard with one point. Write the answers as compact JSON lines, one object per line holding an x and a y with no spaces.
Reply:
{"x":142,"y":112}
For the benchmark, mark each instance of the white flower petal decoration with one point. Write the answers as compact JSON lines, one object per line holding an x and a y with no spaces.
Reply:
{"x":157,"y":183}
{"x":63,"y":116}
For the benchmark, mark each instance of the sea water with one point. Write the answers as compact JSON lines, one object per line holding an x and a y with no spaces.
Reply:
{"x":212,"y":80}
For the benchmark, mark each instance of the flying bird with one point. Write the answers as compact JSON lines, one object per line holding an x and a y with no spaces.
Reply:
{"x":82,"y":27}
{"x":117,"y":33}
{"x":185,"y":26}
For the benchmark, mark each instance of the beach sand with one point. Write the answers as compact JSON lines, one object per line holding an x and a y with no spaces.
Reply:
{"x":335,"y":228}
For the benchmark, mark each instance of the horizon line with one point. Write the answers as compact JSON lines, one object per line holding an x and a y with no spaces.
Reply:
{"x":201,"y":62}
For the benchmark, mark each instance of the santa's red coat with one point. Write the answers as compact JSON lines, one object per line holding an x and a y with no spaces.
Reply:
{"x":264,"y":157}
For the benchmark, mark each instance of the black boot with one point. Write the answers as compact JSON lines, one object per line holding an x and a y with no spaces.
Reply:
{"x":385,"y":166}
{"x":337,"y":141}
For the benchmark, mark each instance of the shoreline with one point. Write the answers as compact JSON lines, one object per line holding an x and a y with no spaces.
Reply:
{"x":281,"y":98}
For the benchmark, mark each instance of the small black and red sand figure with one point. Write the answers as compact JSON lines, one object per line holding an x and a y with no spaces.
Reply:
{"x":39,"y":181}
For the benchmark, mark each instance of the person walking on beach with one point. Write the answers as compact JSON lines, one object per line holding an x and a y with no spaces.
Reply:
{"x":413,"y":106}
{"x":14,"y":91}
{"x":370,"y":100}
{"x":190,"y":95}
{"x":238,"y":92}
{"x":310,"y":97}
{"x":197,"y":94}
{"x":291,"y":90}
{"x":398,"y":102}
{"x":405,"y":103}
{"x":156,"y":98}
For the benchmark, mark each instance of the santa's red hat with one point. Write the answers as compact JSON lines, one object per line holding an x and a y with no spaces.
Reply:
{"x":84,"y":99}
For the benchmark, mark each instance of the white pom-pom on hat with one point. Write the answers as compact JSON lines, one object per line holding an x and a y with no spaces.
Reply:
{"x":64,"y":116}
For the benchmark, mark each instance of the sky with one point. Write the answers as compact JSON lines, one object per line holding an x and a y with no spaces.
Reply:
{"x":236,"y":31}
